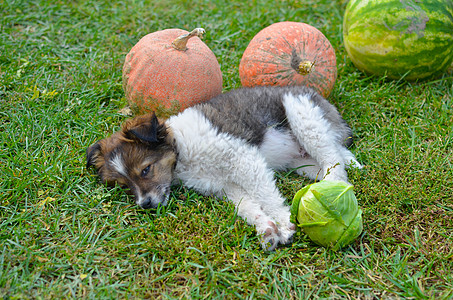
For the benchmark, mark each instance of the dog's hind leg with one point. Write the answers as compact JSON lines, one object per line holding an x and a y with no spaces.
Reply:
{"x":307,"y":167}
{"x":317,"y":136}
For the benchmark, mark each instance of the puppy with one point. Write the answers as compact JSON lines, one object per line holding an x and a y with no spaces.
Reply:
{"x":229,"y":147}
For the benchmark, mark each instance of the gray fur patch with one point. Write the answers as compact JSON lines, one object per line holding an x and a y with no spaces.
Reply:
{"x":248,"y":112}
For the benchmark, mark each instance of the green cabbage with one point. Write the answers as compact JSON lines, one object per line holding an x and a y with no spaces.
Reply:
{"x":328,"y":213}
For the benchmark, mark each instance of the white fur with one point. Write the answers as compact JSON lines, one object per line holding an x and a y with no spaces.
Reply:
{"x":328,"y":157}
{"x":220,"y":164}
{"x":118,"y":164}
{"x":280,"y":149}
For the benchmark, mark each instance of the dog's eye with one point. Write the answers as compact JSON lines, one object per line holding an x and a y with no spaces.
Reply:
{"x":145,"y":171}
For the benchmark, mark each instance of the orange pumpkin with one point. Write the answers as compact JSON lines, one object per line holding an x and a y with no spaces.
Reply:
{"x":170,"y":70}
{"x":289,"y":53}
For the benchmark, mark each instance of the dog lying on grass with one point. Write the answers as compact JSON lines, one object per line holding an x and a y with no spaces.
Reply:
{"x":229,"y":147}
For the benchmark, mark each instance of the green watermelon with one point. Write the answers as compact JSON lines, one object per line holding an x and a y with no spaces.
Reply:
{"x":410,"y":38}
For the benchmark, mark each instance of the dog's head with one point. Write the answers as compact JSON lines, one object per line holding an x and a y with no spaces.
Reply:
{"x":139,"y":157}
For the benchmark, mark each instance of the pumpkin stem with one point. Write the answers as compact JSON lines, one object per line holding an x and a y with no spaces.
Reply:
{"x":180,"y":42}
{"x":305,"y":67}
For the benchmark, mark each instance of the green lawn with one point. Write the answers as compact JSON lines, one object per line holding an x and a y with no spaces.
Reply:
{"x":64,"y":235}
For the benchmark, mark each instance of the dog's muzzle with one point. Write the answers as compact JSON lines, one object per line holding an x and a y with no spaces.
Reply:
{"x":153,"y":200}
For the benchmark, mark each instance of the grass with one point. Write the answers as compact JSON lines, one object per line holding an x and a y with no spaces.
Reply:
{"x":63,"y":235}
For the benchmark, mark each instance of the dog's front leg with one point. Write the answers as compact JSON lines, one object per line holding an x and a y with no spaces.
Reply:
{"x":220,"y":164}
{"x":250,"y":185}
{"x":271,"y":231}
{"x":245,"y":180}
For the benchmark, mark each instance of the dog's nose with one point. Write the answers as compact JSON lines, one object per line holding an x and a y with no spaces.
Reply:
{"x":147,"y":203}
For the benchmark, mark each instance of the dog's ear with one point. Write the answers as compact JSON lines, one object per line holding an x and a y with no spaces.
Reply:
{"x":93,"y":153}
{"x":146,"y":129}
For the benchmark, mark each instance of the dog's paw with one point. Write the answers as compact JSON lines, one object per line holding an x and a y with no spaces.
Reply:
{"x":286,"y":233}
{"x":274,"y":236}
{"x":353,"y":163}
{"x":336,"y":177}
{"x":270,"y":237}
{"x":335,"y":173}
